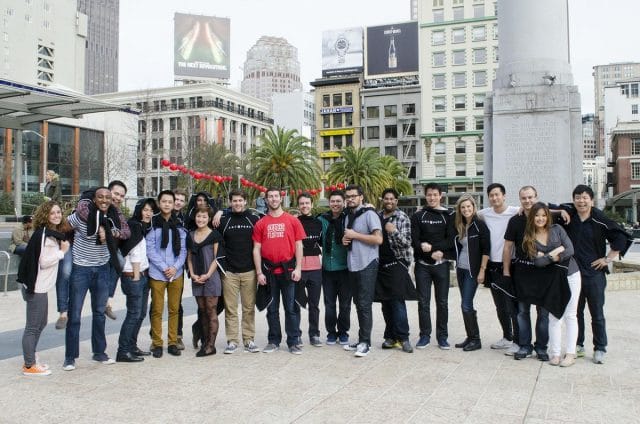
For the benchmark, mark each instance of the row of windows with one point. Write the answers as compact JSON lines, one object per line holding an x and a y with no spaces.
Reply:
{"x":459,"y":80}
{"x":461,"y":170}
{"x":459,"y":57}
{"x":459,"y":102}
{"x":339,"y":120}
{"x":337,"y":99}
{"x":458,"y":12}
{"x":391,"y":131}
{"x":391,"y":111}
{"x":459,"y":124}
{"x":459,"y":35}
{"x":193,"y":122}
{"x":337,"y":142}
{"x":440,"y":148}
{"x":199,"y":102}
{"x":629,"y":90}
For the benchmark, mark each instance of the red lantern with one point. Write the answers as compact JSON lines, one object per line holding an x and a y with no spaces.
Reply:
{"x":165,"y":162}
{"x":173,"y":167}
{"x":283,"y":193}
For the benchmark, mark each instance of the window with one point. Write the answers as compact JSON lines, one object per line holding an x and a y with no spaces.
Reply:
{"x":458,"y":13}
{"x":479,"y":33}
{"x":479,"y":123}
{"x":348,"y":140}
{"x":461,"y":170}
{"x":348,"y":98}
{"x":373,"y":112}
{"x":440,"y":148}
{"x":326,"y":164}
{"x":459,"y":79}
{"x":635,"y":146}
{"x":459,"y":102}
{"x":479,"y":147}
{"x":439,"y":125}
{"x":438,"y":15}
{"x":390,"y":131}
{"x":409,"y":109}
{"x":479,"y":55}
{"x":439,"y":82}
{"x":478,"y":10}
{"x":337,"y":99}
{"x":495,"y":31}
{"x":459,"y":57}
{"x":373,"y":133}
{"x":326,"y":143}
{"x":142,"y":126}
{"x":391,"y":151}
{"x":624,"y":90}
{"x":461,"y":146}
{"x":457,"y":35}
{"x":390,"y":111}
{"x":441,"y":171}
{"x":460,"y":124}
{"x":439,"y":59}
{"x":337,"y":120}
{"x":437,"y":38}
{"x":496,"y":54}
{"x":479,"y":78}
{"x":326,"y":100}
{"x":479,"y":169}
{"x":325,"y":121}
{"x":409,"y":130}
{"x":337,"y":142}
{"x":437,"y":3}
{"x":635,"y":170}
{"x":348,"y":119}
{"x":409,"y":152}
{"x":478,"y":100}
{"x":634,"y":90}
{"x":439,"y":104}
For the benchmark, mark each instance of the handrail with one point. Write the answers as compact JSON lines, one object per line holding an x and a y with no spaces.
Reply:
{"x":6,"y":271}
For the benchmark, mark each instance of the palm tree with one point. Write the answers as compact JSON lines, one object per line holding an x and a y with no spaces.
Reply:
{"x":213,"y":159}
{"x":362,"y":167}
{"x":285,"y":159}
{"x":398,"y":173}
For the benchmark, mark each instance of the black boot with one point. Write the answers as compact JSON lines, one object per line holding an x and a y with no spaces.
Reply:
{"x":473,"y":332}
{"x":465,"y":318}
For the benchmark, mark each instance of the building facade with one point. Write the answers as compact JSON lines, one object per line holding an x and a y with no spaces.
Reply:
{"x":625,"y":146}
{"x":588,"y":137}
{"x":272,"y":66}
{"x":338,"y":119}
{"x":604,"y":76}
{"x":101,"y":52}
{"x":296,"y":111}
{"x":391,"y":124}
{"x":413,"y":10}
{"x":174,"y":121}
{"x":621,"y":103}
{"x":458,"y":60}
{"x":43,"y":43}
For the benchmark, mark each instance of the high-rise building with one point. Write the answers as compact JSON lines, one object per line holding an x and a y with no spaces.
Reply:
{"x":588,"y":137}
{"x":603,"y":76}
{"x":295,"y":111}
{"x":272,"y":66}
{"x":101,"y":47}
{"x":43,"y":43}
{"x":458,"y":60}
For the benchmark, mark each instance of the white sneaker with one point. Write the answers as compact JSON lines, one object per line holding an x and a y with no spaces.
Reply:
{"x":512,"y":350}
{"x":251,"y":347}
{"x":502,"y":344}
{"x":598,"y":357}
{"x":362,"y":350}
{"x":231,"y":348}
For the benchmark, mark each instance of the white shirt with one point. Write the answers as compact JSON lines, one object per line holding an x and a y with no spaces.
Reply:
{"x":137,"y":255}
{"x":50,"y":256}
{"x":497,"y":223}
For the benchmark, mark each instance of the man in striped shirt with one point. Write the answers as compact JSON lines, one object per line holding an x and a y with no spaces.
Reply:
{"x":90,"y":273}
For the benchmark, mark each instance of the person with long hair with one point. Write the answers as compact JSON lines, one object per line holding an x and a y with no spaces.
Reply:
{"x":548,"y":245}
{"x":37,"y":273}
{"x":206,"y":285}
{"x":473,"y":246}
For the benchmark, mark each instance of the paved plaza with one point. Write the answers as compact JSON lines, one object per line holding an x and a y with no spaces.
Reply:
{"x":324,"y":384}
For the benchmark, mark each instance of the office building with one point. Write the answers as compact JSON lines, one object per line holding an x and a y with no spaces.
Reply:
{"x":588,"y":137}
{"x":295,"y":111}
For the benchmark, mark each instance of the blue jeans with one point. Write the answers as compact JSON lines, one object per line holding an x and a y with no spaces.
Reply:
{"x":439,"y":275}
{"x":113,"y":281}
{"x":137,"y":293}
{"x":335,"y":286}
{"x":592,"y":294}
{"x":395,"y":318}
{"x":312,"y":281}
{"x":468,"y":286}
{"x":363,"y":286}
{"x":62,"y":282}
{"x":94,"y":279}
{"x":524,"y":327}
{"x":281,"y":284}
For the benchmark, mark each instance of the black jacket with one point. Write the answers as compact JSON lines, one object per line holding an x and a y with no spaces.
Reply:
{"x":479,"y":243}
{"x":30,"y":262}
{"x":435,"y":227}
{"x":313,"y":229}
{"x":237,"y":248}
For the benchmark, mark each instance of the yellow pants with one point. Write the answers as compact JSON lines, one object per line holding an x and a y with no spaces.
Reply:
{"x":174,"y":295}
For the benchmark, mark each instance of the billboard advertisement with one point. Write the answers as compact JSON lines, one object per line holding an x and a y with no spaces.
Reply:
{"x":392,"y":49}
{"x":342,"y":51}
{"x":201,"y":46}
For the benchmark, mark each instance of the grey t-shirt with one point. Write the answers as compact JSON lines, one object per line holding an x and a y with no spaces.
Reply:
{"x":362,"y":254}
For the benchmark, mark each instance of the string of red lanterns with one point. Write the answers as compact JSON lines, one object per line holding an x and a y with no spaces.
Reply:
{"x":243,"y":181}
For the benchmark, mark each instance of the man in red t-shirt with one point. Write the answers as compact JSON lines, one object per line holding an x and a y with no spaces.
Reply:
{"x":277,"y":254}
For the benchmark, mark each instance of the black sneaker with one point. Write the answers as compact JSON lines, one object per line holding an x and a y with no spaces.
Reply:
{"x":156,"y":351}
{"x":542,"y":356}
{"x":522,"y":353}
{"x":174,"y":350}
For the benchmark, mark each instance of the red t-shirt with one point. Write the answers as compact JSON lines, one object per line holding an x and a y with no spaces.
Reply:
{"x":278,"y":237}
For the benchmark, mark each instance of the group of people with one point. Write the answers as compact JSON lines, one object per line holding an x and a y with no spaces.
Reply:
{"x":351,"y":253}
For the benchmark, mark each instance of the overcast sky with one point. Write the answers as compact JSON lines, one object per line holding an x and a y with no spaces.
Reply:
{"x":601,"y":32}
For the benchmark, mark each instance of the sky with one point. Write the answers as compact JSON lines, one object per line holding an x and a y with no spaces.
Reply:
{"x":601,"y":32}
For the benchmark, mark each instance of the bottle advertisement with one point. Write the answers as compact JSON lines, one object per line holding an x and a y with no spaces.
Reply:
{"x":392,"y":49}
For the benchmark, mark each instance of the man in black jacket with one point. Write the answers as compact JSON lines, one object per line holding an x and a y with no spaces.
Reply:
{"x":589,"y":230}
{"x":432,"y":236}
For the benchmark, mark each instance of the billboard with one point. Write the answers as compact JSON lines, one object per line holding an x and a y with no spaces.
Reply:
{"x":392,"y":49}
{"x":342,"y":51}
{"x":201,"y":46}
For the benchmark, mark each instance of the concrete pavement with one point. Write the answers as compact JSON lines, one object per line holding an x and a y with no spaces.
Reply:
{"x":324,"y":384}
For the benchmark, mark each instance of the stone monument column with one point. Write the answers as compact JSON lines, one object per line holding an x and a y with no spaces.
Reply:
{"x":533,"y":130}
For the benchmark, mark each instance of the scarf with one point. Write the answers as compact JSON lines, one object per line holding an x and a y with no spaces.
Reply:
{"x":335,"y":230}
{"x":30,"y":262}
{"x":138,"y":231}
{"x":200,"y":264}
{"x":352,"y":216}
{"x":168,"y":225}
